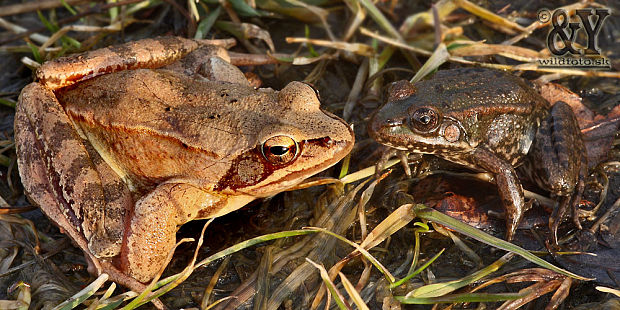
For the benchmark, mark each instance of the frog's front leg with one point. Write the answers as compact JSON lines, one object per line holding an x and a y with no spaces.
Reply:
{"x":405,"y":159}
{"x":156,"y":218}
{"x":510,"y":190}
{"x":559,"y":162}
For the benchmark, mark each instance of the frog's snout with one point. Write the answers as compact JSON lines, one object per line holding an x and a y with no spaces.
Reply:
{"x":380,"y":125}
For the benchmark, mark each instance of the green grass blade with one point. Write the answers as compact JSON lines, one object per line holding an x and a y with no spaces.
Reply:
{"x":444,"y":288}
{"x":417,"y":271}
{"x":84,"y":294}
{"x":458,"y":298}
{"x":429,"y":214}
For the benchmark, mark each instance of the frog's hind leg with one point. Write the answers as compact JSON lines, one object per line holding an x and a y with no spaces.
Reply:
{"x":146,"y":53}
{"x":559,"y":162}
{"x":571,"y":202}
{"x":58,"y":172}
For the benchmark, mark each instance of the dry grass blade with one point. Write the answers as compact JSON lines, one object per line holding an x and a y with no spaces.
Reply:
{"x":19,"y":29}
{"x":537,"y":24}
{"x":482,"y":49}
{"x":356,"y":48}
{"x":42,"y":5}
{"x":356,"y":89}
{"x":388,"y":276}
{"x":380,"y":19}
{"x":338,"y":297}
{"x":320,"y":13}
{"x":22,"y":299}
{"x":532,"y":292}
{"x":103,"y":298}
{"x":488,"y":15}
{"x":21,"y":221}
{"x":301,"y":61}
{"x":439,"y":56}
{"x":608,"y":290}
{"x":353,"y":293}
{"x":366,"y":172}
{"x":391,"y":224}
{"x":359,"y":14}
{"x":205,"y":304}
{"x":393,"y":42}
{"x":118,"y":26}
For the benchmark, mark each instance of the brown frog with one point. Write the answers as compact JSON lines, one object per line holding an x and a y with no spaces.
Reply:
{"x":488,"y":120}
{"x":122,"y":145}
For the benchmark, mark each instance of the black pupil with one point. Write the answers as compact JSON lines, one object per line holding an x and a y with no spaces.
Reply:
{"x":425,"y":119}
{"x":278,"y":150}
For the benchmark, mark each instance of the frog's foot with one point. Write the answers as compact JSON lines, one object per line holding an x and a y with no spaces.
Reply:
{"x":405,"y":159}
{"x":566,"y":203}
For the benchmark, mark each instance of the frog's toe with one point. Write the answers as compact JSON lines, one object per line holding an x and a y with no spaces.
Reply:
{"x":511,"y":230}
{"x":404,"y":161}
{"x":557,"y":216}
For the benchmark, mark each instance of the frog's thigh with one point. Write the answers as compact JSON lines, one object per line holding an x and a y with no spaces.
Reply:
{"x":55,"y":155}
{"x":508,"y":185}
{"x":146,"y":53}
{"x":557,"y":151}
{"x":154,"y":223}
{"x":34,"y":173}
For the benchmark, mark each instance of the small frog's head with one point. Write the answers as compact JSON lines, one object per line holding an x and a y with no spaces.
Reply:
{"x":408,"y":121}
{"x":295,"y":140}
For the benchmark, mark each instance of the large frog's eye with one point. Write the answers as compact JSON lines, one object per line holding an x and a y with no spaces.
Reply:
{"x":280,"y":150}
{"x":424,"y":119}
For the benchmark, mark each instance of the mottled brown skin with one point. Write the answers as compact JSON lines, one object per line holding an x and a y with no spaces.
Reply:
{"x":491,"y":121}
{"x":119,"y":156}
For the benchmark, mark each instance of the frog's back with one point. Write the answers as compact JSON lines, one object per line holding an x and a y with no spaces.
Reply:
{"x":461,"y":92}
{"x":158,"y":124}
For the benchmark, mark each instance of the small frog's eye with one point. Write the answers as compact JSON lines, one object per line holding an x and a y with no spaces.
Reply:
{"x":424,"y":119}
{"x":280,"y":150}
{"x":316,"y":91}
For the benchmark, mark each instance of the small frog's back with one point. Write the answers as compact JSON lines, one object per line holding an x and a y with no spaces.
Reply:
{"x":461,"y":92}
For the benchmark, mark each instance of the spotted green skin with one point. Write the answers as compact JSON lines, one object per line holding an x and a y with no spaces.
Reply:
{"x":490,"y":121}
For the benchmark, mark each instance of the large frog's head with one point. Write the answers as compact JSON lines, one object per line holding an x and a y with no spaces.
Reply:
{"x":295,"y":139}
{"x":409,"y":121}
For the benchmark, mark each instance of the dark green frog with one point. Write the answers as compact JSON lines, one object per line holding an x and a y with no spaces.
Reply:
{"x":488,"y":120}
